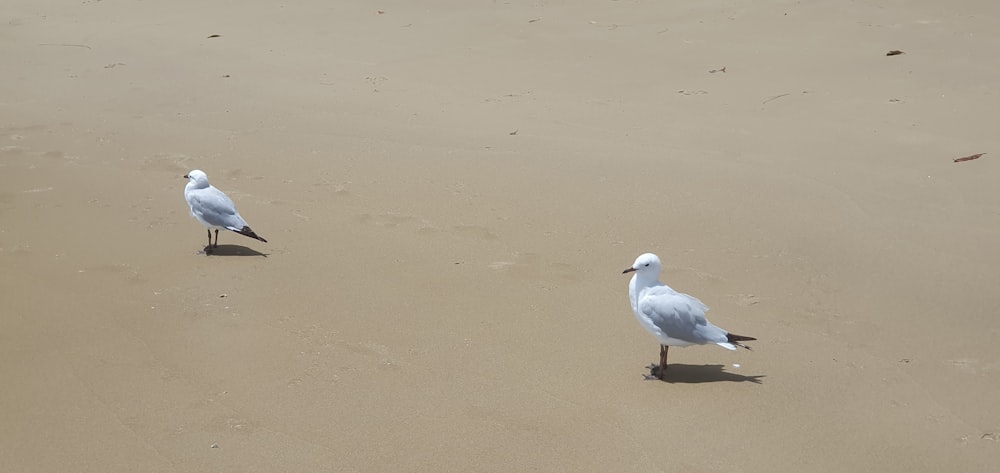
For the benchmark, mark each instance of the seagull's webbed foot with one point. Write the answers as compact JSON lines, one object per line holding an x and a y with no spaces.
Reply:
{"x":655,"y":372}
{"x":659,"y":371}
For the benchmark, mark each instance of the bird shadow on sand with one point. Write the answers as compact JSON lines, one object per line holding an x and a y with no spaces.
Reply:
{"x":231,"y":250}
{"x":702,"y":374}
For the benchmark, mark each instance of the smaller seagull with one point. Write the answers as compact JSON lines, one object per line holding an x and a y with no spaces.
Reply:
{"x":674,"y":318}
{"x":214,"y":209}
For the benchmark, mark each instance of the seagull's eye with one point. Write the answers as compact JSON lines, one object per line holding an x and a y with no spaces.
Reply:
{"x":647,"y":265}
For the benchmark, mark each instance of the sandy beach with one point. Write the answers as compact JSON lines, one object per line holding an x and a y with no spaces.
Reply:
{"x":450,"y":191}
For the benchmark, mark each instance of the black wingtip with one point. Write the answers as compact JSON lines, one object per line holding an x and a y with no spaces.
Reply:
{"x":246,"y":231}
{"x":736,"y":339}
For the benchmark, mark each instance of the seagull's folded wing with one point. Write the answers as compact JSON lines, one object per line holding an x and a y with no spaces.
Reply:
{"x":679,"y":316}
{"x":215,"y":208}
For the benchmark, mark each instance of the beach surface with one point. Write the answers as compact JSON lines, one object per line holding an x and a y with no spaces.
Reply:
{"x":450,"y":191}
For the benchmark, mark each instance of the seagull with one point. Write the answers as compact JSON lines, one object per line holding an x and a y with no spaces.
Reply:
{"x":214,"y":209}
{"x":674,"y":318}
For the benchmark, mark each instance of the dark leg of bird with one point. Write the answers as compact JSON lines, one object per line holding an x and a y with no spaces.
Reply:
{"x":216,"y":239}
{"x":663,"y":360}
{"x":657,"y":371}
{"x":208,"y":249}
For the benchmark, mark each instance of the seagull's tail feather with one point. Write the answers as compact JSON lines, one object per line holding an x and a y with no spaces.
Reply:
{"x":736,"y":339}
{"x":246,"y":231}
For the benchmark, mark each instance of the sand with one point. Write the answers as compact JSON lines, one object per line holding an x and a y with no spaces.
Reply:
{"x":451,"y":189}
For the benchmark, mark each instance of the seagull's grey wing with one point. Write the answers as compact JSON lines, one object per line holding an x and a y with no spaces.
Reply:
{"x":679,"y":316}
{"x":216,"y":208}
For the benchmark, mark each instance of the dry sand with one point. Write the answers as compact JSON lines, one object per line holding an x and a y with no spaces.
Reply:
{"x":451,"y":190}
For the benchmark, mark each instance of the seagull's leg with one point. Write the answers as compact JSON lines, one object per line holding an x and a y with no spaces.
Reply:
{"x":216,"y":238}
{"x":656,"y":371}
{"x":663,"y":360}
{"x":208,"y":249}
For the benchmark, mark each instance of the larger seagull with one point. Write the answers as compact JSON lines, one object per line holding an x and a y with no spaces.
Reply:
{"x":674,"y":318}
{"x":214,"y":209}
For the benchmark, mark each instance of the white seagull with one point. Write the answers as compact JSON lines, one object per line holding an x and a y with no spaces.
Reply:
{"x":214,"y":209}
{"x":674,"y":318}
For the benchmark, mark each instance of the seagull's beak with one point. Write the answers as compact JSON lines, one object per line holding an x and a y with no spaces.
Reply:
{"x":186,"y":177}
{"x":629,"y":270}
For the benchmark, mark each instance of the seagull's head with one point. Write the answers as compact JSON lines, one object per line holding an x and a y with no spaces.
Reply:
{"x":198,"y":177}
{"x":647,"y":265}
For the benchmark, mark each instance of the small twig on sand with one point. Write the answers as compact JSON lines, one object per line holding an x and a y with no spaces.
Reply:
{"x":969,"y":158}
{"x":66,"y":44}
{"x":775,"y":98}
